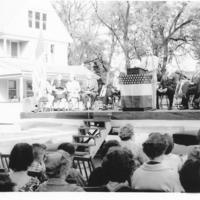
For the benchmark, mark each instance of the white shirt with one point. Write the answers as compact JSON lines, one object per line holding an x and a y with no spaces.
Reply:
{"x":73,"y":86}
{"x":149,"y":63}
{"x":156,"y":177}
{"x":19,"y":178}
{"x":174,"y":161}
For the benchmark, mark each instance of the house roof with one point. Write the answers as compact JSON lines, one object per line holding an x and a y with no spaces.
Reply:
{"x":12,"y":67}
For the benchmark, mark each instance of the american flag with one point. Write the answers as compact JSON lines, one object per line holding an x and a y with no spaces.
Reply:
{"x":135,"y":79}
{"x":136,"y":91}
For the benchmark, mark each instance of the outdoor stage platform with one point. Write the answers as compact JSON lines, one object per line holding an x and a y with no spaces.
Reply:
{"x":118,"y":115}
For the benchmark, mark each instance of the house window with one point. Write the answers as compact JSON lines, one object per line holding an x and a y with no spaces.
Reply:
{"x":44,"y":21}
{"x":12,"y":89}
{"x":30,"y":18}
{"x":40,"y":20}
{"x":37,"y":20}
{"x":14,"y":49}
{"x":52,"y":48}
{"x":29,"y":89}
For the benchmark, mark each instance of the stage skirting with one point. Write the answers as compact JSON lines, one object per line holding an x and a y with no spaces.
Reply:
{"x":119,"y":115}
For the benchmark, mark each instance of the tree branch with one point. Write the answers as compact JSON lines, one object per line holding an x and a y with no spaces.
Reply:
{"x":176,"y":19}
{"x":108,"y":26}
{"x":180,"y":26}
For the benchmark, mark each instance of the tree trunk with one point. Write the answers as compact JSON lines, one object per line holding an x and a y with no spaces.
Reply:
{"x":127,"y":59}
{"x":165,"y":55}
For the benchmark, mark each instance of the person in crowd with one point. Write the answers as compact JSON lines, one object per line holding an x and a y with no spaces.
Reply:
{"x":173,"y":160}
{"x":73,"y":89}
{"x":21,"y":158}
{"x":57,"y":168}
{"x":198,"y":136}
{"x":89,"y":92}
{"x":193,"y":89}
{"x":190,"y":172}
{"x":119,"y":166}
{"x":37,"y":168}
{"x":167,"y":87}
{"x":74,"y":176}
{"x":126,"y":135}
{"x":154,"y":174}
{"x":6,"y":185}
{"x":98,"y":176}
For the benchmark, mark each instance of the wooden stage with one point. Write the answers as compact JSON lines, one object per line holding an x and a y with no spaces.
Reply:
{"x":119,"y":115}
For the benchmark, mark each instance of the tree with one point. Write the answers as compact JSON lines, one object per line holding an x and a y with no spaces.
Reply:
{"x":77,"y":17}
{"x":116,"y":18}
{"x":167,"y":26}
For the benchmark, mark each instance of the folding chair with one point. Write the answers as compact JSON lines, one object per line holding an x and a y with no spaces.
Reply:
{"x":85,"y":165}
{"x":4,"y":161}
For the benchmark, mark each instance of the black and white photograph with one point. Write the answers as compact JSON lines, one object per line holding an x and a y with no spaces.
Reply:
{"x":99,"y":97}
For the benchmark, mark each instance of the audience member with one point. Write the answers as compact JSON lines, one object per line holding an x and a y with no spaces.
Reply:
{"x":37,"y":168}
{"x":126,"y":135}
{"x":173,"y":160}
{"x":155,"y":174}
{"x":119,"y":166}
{"x":74,"y":176}
{"x":57,"y":168}
{"x":190,"y":172}
{"x":98,"y":176}
{"x":21,"y":158}
{"x":6,"y":185}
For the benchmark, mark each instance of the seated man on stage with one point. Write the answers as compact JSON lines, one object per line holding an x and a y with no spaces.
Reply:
{"x":167,"y":87}
{"x":108,"y":97}
{"x":89,"y":92}
{"x":193,"y":89}
{"x":73,"y":89}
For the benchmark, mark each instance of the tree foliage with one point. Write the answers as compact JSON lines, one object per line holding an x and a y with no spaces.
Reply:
{"x":101,"y":28}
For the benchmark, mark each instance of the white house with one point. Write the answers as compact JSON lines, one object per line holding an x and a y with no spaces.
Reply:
{"x":30,"y":29}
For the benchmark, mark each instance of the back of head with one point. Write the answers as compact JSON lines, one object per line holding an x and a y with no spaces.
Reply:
{"x":68,"y":147}
{"x":107,"y":145}
{"x":198,"y":136}
{"x":118,"y":164}
{"x":126,"y":132}
{"x":21,"y":157}
{"x":155,"y":145}
{"x":57,"y":164}
{"x":38,"y":150}
{"x":194,"y":154}
{"x":170,"y":143}
{"x":190,"y":176}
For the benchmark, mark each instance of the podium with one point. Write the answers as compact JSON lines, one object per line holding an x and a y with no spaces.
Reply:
{"x":138,"y":91}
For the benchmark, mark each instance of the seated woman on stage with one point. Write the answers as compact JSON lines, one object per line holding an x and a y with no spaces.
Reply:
{"x":73,"y":90}
{"x":167,"y":87}
{"x":155,"y":175}
{"x":89,"y":92}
